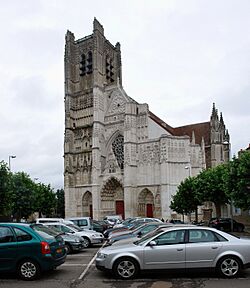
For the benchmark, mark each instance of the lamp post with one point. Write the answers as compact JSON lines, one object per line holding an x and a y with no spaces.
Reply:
{"x":11,"y":156}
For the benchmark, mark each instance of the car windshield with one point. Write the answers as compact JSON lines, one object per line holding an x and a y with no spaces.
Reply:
{"x":147,"y":236}
{"x":44,"y":231}
{"x":74,"y":227}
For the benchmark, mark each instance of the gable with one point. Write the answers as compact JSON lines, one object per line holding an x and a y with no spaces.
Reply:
{"x":117,"y":102}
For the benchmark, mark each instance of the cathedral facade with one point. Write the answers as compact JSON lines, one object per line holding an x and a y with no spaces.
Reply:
{"x":119,"y":157}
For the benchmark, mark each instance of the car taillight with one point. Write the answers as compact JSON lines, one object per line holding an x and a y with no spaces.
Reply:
{"x":45,"y":248}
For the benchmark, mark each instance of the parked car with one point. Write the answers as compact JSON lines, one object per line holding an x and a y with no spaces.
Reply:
{"x":138,"y":232}
{"x":176,"y":221}
{"x":100,"y":225}
{"x":47,"y":220}
{"x":90,"y":237}
{"x":123,"y":230}
{"x":225,"y":224}
{"x":73,"y":243}
{"x":129,"y":225}
{"x":113,"y":219}
{"x":82,"y":222}
{"x":29,"y":251}
{"x":178,"y":248}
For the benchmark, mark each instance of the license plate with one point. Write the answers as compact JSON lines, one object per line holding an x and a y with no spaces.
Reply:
{"x":59,"y":250}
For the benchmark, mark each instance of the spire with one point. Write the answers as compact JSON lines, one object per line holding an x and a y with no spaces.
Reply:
{"x":221,"y":119}
{"x":222,"y":125}
{"x":214,"y":114}
{"x":214,"y":119}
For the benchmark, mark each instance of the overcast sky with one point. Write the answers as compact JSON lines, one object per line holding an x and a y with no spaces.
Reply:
{"x":178,"y":56}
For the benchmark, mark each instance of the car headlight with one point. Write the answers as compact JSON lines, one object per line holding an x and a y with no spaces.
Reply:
{"x":101,"y":255}
{"x":96,"y":235}
{"x":77,"y":240}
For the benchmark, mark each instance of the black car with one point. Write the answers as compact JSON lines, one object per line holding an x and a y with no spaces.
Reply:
{"x":100,"y":225}
{"x":225,"y":224}
{"x":73,"y":243}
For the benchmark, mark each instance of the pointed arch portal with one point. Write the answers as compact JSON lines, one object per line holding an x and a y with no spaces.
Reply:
{"x":112,"y":197}
{"x":146,"y":203}
{"x":87,"y":208}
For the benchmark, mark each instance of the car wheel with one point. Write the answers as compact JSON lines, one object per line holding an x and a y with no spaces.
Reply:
{"x":28,"y":270}
{"x":125,"y":268}
{"x":229,"y":266}
{"x":86,"y":242}
{"x":68,"y":248}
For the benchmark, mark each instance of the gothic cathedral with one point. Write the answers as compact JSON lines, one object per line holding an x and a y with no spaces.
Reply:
{"x":119,"y":157}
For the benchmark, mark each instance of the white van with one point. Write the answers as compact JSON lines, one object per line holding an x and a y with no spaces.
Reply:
{"x":83,"y":222}
{"x":49,"y":220}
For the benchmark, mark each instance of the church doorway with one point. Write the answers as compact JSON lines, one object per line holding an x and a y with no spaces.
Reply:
{"x":112,"y":198}
{"x":149,"y":210}
{"x":87,"y":208}
{"x":146,"y":203}
{"x":119,"y":208}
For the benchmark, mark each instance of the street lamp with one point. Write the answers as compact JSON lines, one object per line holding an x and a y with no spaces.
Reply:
{"x":11,"y":156}
{"x":189,"y":170}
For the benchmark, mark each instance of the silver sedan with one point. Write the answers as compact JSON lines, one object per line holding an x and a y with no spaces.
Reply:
{"x":178,"y":248}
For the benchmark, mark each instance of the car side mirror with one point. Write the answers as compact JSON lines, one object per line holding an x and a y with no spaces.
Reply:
{"x":152,"y":243}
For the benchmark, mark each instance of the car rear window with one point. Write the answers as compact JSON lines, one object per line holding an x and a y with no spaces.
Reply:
{"x":44,"y":231}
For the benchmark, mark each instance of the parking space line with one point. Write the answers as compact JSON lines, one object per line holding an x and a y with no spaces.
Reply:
{"x":90,"y":263}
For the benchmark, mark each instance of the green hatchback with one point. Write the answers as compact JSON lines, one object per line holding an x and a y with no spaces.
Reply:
{"x":29,"y":249}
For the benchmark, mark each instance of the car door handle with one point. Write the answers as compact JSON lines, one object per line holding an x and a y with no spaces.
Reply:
{"x":179,"y":249}
{"x":214,"y":247}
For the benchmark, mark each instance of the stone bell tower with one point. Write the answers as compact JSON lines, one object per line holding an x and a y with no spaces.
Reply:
{"x":91,"y":64}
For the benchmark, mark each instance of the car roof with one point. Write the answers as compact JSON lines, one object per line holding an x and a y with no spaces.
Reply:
{"x":77,"y":218}
{"x":15,"y":224}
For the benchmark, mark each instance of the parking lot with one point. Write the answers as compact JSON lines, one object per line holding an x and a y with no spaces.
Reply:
{"x":79,"y":272}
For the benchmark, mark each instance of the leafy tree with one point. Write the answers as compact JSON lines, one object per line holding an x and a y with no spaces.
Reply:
{"x":186,"y":200}
{"x":210,"y":186}
{"x":238,"y":180}
{"x":23,"y":195}
{"x":45,"y":200}
{"x":5,"y":190}
{"x":60,"y":203}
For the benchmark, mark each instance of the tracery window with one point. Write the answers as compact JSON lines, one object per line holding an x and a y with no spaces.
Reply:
{"x":118,"y":149}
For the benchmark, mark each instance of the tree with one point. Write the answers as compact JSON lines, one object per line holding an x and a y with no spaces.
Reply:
{"x":23,"y":195}
{"x":238,"y":180}
{"x":186,"y":200}
{"x":45,"y":200}
{"x":210,"y":186}
{"x":60,"y":203}
{"x":5,"y":190}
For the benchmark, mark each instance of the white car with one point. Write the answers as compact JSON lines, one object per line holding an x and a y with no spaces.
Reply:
{"x":89,"y":236}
